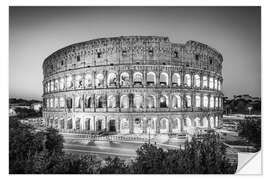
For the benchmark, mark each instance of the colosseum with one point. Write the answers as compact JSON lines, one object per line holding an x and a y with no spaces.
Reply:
{"x":133,"y":85}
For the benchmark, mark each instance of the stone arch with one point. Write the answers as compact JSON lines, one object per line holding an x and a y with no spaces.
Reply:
{"x":212,"y":102}
{"x":205,"y":122}
{"x":216,"y":122}
{"x":138,"y":125}
{"x":100,"y":101}
{"x":124,"y":79}
{"x":163,"y":101}
{"x":150,"y":101}
{"x":69,"y":102}
{"x":88,"y":101}
{"x":88,"y":80}
{"x":124,"y":101}
{"x":176,"y":101}
{"x":78,"y":123}
{"x":205,"y":81}
{"x":112,"y":125}
{"x":99,"y":80}
{"x":197,"y":122}
{"x":124,"y":126}
{"x":151,"y":78}
{"x":62,"y":102}
{"x":151,"y":125}
{"x":188,"y":122}
{"x":164,"y":125}
{"x":112,"y":79}
{"x":188,"y":100}
{"x":69,"y":123}
{"x":163,"y":79}
{"x":176,"y":80}
{"x":197,"y":80}
{"x":79,"y":82}
{"x":61,"y":123}
{"x":211,"y":83}
{"x":176,"y":125}
{"x":187,"y":80}
{"x":100,"y":124}
{"x":62,"y":84}
{"x":112,"y":101}
{"x":78,"y":101}
{"x":138,"y":101}
{"x":205,"y":101}
{"x":137,"y":78}
{"x":197,"y":101}
{"x":69,"y":82}
{"x":212,"y":122}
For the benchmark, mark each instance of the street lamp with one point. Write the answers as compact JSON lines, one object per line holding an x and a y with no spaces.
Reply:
{"x":249,"y":109}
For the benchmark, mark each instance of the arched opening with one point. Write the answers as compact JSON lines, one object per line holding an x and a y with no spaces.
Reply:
{"x":176,"y":125}
{"x":87,"y":124}
{"x":197,"y":80}
{"x":88,"y":81}
{"x":88,"y":102}
{"x":151,"y":78}
{"x":205,"y":81}
{"x":124,"y":101}
{"x":69,"y":123}
{"x":138,"y":126}
{"x":78,"y":102}
{"x":205,"y":101}
{"x":56,"y":85}
{"x":51,"y":102}
{"x":112,"y":101}
{"x":211,"y":83}
{"x":69,"y":82}
{"x":99,"y":80}
{"x":62,"y":123}
{"x":205,"y":122}
{"x":124,"y":79}
{"x":99,"y":125}
{"x":62,"y":83}
{"x":78,"y":123}
{"x":52,"y":86}
{"x":197,"y":122}
{"x":69,"y":103}
{"x":79,"y":82}
{"x":216,"y":84}
{"x":176,"y":101}
{"x":216,"y":122}
{"x":137,"y":78}
{"x":212,"y":102}
{"x":212,"y":122}
{"x":163,"y":101}
{"x":163,"y":79}
{"x":100,"y":102}
{"x":198,"y":101}
{"x":151,"y":126}
{"x":62,"y":102}
{"x":124,"y":126}
{"x":187,"y":80}
{"x":138,"y":101}
{"x":56,"y":104}
{"x":112,"y":126}
{"x":188,"y":122}
{"x":164,"y":125}
{"x":176,"y":79}
{"x":150,"y":102}
{"x":188,"y":101}
{"x":112,"y":79}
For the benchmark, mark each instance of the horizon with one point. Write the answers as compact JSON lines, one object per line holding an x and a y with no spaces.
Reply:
{"x":37,"y":32}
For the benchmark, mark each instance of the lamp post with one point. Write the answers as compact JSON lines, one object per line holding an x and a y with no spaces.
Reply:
{"x":249,"y":109}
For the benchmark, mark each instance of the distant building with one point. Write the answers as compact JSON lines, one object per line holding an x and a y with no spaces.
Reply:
{"x":12,"y":112}
{"x":36,"y":106}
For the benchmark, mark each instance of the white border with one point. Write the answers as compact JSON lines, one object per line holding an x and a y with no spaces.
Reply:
{"x":5,"y":84}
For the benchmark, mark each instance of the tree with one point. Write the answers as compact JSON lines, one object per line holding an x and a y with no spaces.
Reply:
{"x":114,"y":166}
{"x":251,"y":130}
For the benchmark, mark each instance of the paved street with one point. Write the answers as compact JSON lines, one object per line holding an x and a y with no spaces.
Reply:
{"x":105,"y":149}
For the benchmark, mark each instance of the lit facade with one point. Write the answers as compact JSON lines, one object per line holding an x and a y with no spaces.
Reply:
{"x":133,"y":85}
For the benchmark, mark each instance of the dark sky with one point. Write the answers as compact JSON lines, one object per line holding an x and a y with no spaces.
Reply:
{"x":36,"y":32}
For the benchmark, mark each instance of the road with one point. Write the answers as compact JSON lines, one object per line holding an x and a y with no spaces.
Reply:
{"x":105,"y":149}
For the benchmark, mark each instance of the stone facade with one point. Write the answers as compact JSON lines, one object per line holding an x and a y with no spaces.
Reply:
{"x":133,"y":84}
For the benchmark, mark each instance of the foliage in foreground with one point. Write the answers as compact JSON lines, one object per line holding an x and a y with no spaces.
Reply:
{"x":251,"y":130}
{"x":42,"y":153}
